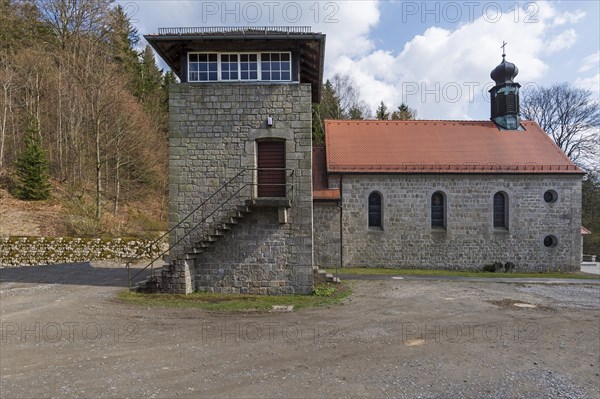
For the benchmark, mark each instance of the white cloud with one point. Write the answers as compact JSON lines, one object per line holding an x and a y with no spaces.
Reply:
{"x":590,"y":62}
{"x":445,"y":73}
{"x":591,"y":83}
{"x":562,"y":41}
{"x":569,"y":17}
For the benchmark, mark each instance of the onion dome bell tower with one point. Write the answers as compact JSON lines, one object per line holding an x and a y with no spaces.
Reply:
{"x":505,"y":96}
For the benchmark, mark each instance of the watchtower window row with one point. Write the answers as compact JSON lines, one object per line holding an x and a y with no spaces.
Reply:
{"x":214,"y":67}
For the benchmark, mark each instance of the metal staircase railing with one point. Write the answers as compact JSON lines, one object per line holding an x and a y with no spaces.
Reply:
{"x":206,"y":215}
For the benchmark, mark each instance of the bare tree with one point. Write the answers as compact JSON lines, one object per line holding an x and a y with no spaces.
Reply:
{"x":571,"y":116}
{"x":349,"y":97}
{"x":8,"y":83}
{"x":71,"y":19}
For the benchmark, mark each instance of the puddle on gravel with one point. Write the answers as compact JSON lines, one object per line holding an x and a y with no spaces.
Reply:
{"x":511,"y":303}
{"x":414,"y":342}
{"x":524,"y":305}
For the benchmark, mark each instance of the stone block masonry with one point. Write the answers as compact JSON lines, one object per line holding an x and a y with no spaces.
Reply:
{"x":33,"y":251}
{"x":327,"y":234}
{"x":214,"y":130}
{"x":469,"y":240}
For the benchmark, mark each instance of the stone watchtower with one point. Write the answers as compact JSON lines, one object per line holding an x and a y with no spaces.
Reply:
{"x":240,"y":188}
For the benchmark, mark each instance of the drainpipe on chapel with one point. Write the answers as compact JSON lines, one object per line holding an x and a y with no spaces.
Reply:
{"x":340,"y":205}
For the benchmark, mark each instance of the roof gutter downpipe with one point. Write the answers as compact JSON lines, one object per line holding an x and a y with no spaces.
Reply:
{"x":340,"y":205}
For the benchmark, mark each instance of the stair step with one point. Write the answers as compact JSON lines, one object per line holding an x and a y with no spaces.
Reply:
{"x":194,"y":250}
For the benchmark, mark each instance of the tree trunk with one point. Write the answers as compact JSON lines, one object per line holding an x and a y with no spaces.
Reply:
{"x":117,"y":184}
{"x":98,"y":170}
{"x":4,"y":118}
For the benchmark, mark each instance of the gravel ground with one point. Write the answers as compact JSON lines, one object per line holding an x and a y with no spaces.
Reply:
{"x":65,"y":335}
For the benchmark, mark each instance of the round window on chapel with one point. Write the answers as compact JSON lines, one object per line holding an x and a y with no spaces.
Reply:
{"x":550,"y":241}
{"x":550,"y":196}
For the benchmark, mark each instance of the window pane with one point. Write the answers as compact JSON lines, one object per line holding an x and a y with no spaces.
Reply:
{"x":201,"y":67}
{"x":285,"y":76}
{"x":193,"y":57}
{"x":212,"y":67}
{"x":285,"y":57}
{"x":243,"y":75}
{"x":499,"y":210}
{"x":212,"y":57}
{"x":193,"y":67}
{"x":374,"y":210}
{"x":212,"y":76}
{"x":234,"y":75}
{"x":275,"y":56}
{"x":203,"y":76}
{"x":265,"y":57}
{"x":194,"y":76}
{"x":437,"y":210}
{"x":202,"y":57}
{"x":253,"y":75}
{"x":265,"y":76}
{"x":266,"y":66}
{"x":275,"y":76}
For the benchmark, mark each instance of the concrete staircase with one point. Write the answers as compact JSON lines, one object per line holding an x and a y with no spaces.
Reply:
{"x":209,"y":237}
{"x":321,"y":276}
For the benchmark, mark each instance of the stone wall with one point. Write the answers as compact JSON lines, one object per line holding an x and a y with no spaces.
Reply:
{"x":326,"y":234}
{"x":214,"y":129}
{"x":31,"y":251}
{"x":469,"y":240}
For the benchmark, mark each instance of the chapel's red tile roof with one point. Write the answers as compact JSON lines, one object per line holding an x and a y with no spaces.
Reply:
{"x":319,"y":177}
{"x":440,"y":147}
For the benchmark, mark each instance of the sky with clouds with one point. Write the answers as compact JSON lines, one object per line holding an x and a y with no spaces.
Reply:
{"x":434,"y":56}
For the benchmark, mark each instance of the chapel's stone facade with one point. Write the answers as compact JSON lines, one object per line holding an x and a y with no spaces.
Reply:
{"x":469,"y":241}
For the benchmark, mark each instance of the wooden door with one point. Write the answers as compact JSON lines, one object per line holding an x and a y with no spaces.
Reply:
{"x":271,"y":165}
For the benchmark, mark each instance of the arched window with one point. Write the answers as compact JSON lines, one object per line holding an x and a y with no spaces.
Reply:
{"x":375,"y":219}
{"x":438,"y":210}
{"x":500,"y":213}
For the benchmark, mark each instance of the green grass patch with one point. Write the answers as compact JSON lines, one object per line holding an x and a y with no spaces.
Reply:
{"x":324,"y":294}
{"x":424,"y":272}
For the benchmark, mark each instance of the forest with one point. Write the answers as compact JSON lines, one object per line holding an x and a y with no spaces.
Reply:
{"x":75,"y":86}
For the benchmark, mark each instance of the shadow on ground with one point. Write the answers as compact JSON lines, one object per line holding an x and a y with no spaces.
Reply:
{"x":101,"y":273}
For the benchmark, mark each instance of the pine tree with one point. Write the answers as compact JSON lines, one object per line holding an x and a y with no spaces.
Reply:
{"x":404,"y":113}
{"x":122,"y":41}
{"x":328,"y":108}
{"x":32,"y":166}
{"x":382,"y":113}
{"x":355,"y":113}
